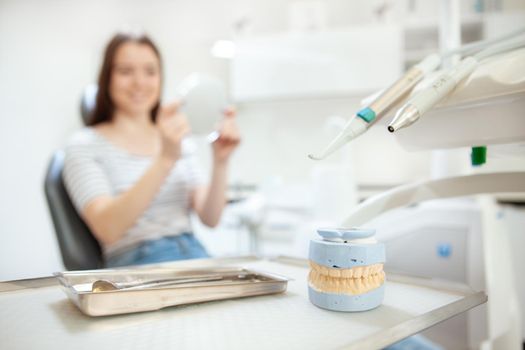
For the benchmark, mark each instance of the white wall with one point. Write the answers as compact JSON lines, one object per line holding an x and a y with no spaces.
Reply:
{"x":49,"y":50}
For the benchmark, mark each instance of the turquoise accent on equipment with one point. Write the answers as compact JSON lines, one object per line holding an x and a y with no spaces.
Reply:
{"x":367,"y":114}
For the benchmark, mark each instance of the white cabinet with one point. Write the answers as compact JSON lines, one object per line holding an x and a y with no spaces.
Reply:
{"x":349,"y":62}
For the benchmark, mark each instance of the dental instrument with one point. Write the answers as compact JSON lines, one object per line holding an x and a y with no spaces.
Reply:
{"x":104,"y":285}
{"x":398,"y":91}
{"x":367,"y":116}
{"x":444,"y":85}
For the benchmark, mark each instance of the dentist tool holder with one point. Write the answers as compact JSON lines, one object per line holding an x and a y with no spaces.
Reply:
{"x":346,"y":270}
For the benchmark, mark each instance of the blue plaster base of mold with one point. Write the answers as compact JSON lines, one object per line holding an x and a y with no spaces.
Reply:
{"x":345,"y":255}
{"x":345,"y":302}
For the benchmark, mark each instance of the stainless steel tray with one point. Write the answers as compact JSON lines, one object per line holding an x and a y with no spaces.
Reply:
{"x":231,"y":282}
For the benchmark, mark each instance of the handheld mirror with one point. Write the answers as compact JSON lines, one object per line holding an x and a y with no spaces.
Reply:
{"x":203,"y":101}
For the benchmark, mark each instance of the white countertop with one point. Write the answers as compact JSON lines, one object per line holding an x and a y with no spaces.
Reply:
{"x":44,"y":318}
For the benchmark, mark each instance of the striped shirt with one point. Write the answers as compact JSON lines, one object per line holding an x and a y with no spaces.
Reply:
{"x":93,"y":167}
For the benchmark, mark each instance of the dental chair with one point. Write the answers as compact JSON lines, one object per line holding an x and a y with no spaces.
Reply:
{"x":78,"y":247}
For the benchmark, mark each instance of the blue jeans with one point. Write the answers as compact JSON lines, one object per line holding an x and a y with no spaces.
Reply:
{"x":171,"y":248}
{"x":415,"y":342}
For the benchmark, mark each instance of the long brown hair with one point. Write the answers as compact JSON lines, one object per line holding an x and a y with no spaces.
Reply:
{"x":104,"y":106}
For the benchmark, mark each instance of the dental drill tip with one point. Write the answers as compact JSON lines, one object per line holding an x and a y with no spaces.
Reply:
{"x":353,"y":128}
{"x":405,"y":116}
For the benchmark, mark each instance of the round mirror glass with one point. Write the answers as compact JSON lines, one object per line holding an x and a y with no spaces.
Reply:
{"x":203,"y":100}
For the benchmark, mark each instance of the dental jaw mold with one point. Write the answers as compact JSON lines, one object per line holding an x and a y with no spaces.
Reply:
{"x":346,"y":270}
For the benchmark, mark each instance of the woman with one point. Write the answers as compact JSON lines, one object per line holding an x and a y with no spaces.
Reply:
{"x":130,"y":173}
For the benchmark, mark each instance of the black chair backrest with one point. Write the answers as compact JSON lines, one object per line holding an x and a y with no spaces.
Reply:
{"x":79,"y":249}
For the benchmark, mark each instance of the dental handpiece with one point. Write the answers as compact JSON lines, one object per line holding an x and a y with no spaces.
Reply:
{"x":400,"y":89}
{"x":426,"y":99}
{"x":369,"y":115}
{"x":445,"y":84}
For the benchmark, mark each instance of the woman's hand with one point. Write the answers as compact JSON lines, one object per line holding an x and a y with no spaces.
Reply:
{"x":209,"y":201}
{"x":229,"y":137}
{"x":173,"y":126}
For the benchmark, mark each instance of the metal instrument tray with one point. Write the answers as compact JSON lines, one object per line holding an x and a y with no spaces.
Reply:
{"x":217,"y":284}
